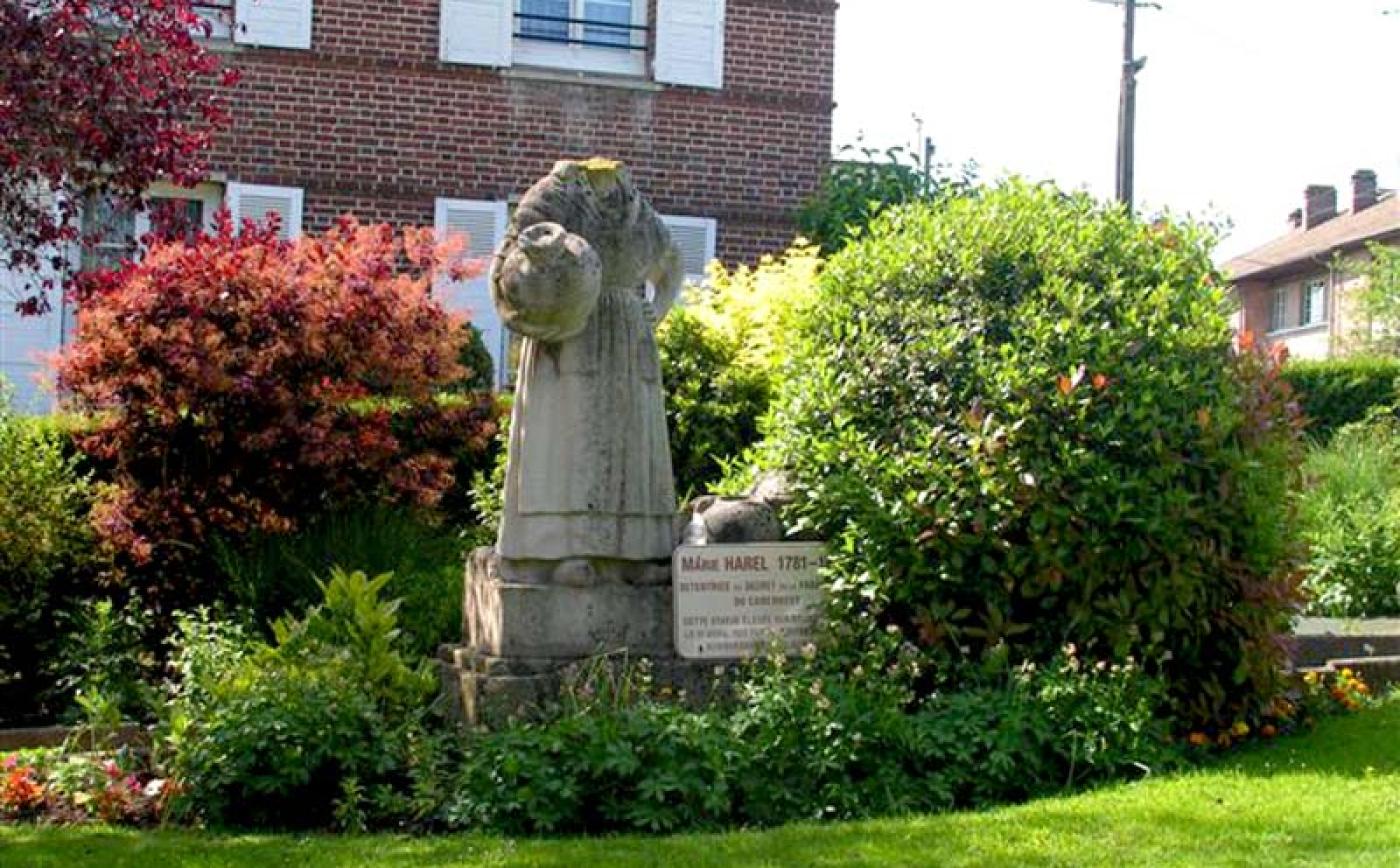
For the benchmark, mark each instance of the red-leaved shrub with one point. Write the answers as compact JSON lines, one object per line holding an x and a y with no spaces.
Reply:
{"x":242,"y":382}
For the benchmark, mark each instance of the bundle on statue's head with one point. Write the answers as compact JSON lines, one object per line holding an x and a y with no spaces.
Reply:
{"x":581,"y":229}
{"x":586,"y":197}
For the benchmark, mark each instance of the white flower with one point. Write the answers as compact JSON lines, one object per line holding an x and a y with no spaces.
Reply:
{"x":154,"y":787}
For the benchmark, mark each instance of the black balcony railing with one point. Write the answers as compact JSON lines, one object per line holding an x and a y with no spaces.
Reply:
{"x":580,"y":31}
{"x":213,"y":7}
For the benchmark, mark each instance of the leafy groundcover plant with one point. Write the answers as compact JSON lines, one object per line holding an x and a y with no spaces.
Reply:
{"x":298,"y":732}
{"x":799,"y":740}
{"x":329,"y":727}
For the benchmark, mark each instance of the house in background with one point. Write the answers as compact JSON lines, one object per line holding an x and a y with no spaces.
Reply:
{"x":1300,"y":289}
{"x":441,"y":112}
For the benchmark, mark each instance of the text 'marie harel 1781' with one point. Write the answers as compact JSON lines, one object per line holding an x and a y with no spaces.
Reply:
{"x":734,"y":600}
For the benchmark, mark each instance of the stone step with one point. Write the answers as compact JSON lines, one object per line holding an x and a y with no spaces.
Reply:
{"x":1318,"y":640}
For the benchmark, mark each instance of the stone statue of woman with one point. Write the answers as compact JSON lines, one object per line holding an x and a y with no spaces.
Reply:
{"x":584,"y":274}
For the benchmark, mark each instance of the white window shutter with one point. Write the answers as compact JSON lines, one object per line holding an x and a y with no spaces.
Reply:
{"x":256,"y":201}
{"x":690,"y":42}
{"x":273,"y":23}
{"x":27,"y":343}
{"x":695,"y":236}
{"x":484,"y":225}
{"x":477,"y":31}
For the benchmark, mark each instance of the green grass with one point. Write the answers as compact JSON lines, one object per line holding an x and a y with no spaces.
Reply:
{"x":1328,"y":798}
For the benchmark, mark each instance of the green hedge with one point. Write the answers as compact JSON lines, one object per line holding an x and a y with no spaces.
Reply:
{"x":1336,"y":392}
{"x":1018,"y":419}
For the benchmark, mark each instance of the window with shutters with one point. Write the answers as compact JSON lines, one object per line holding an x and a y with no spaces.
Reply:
{"x":607,"y":36}
{"x":114,"y":232}
{"x":604,"y":36}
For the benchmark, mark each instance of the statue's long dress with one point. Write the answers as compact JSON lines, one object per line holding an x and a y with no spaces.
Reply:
{"x":589,"y":473}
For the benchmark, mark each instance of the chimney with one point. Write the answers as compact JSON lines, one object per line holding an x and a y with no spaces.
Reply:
{"x":1295,"y":218}
{"x":1363,"y":190}
{"x":1320,"y":205}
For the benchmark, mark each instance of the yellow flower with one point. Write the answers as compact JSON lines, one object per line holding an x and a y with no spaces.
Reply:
{"x":1240,"y":729}
{"x":1346,"y":673}
{"x":1310,"y":678}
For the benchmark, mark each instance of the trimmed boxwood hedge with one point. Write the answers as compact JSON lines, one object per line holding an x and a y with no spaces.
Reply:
{"x":1336,"y":392}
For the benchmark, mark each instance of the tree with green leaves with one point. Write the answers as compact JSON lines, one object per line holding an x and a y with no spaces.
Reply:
{"x":1380,"y":298}
{"x":864,"y":181}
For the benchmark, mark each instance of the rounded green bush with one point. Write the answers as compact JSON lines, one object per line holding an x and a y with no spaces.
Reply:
{"x":1019,"y":419}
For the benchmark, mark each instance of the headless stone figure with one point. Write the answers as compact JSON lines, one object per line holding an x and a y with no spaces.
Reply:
{"x":585,"y":272}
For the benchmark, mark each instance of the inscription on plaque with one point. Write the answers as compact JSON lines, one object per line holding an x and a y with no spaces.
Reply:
{"x":733,"y":600}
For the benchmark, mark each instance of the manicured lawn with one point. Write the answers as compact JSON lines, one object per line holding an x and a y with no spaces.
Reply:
{"x":1328,"y":798}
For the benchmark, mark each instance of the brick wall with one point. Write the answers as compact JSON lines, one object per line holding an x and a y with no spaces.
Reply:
{"x":370,"y":121}
{"x":1256,"y":304}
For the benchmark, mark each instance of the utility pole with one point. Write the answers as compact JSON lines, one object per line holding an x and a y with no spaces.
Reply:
{"x":928,"y":164}
{"x":1127,"y":109}
{"x":1127,"y":99}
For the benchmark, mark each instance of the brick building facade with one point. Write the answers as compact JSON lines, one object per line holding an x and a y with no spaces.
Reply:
{"x":441,"y":112}
{"x":1300,"y":290}
{"x":370,"y":119}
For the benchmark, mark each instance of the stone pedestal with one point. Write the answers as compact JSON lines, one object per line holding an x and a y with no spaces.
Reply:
{"x":525,"y":632}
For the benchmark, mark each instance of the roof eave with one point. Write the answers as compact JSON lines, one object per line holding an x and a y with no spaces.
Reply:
{"x":1322,"y":258}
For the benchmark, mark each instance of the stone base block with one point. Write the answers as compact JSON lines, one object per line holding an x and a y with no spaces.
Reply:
{"x":492,"y":691}
{"x":504,"y":618}
{"x":535,"y":629}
